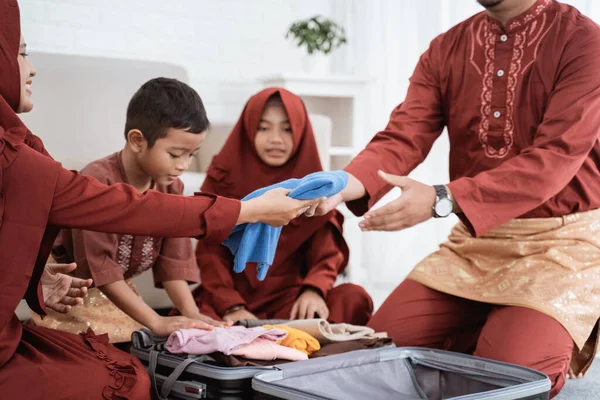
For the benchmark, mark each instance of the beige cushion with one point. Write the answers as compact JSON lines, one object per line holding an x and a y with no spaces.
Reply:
{"x":80,"y":102}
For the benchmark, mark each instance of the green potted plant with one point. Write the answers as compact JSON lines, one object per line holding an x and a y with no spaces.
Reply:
{"x":319,"y":36}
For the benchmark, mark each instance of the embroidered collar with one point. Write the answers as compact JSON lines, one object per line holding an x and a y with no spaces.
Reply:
{"x":522,"y":20}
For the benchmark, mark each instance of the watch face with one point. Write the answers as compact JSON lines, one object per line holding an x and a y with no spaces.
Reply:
{"x":443,"y":208}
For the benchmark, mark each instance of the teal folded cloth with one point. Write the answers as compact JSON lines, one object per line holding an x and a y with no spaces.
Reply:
{"x":257,"y":242}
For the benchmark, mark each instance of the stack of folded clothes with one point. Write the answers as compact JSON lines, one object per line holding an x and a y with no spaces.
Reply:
{"x":271,"y":342}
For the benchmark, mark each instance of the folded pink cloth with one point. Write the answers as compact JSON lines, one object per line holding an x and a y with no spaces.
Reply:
{"x":263,"y":349}
{"x":225,"y":340}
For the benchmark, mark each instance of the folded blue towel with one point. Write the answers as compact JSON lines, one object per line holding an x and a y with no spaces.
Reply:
{"x":257,"y":242}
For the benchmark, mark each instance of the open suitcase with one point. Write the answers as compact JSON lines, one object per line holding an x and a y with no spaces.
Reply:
{"x":186,"y":377}
{"x":402,"y":373}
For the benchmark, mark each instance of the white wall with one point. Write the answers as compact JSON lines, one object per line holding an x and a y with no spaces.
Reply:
{"x":226,"y":45}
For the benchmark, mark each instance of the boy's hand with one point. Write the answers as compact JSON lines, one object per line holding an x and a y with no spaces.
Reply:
{"x":62,"y":291}
{"x":274,"y":208}
{"x":164,"y":326}
{"x":308,"y":304}
{"x":201,"y":317}
{"x":238,"y":315}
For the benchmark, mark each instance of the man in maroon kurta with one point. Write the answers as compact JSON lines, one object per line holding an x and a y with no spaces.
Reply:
{"x":518,"y":89}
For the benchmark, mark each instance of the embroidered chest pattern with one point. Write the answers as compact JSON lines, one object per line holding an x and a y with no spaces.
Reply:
{"x":125,"y":249}
{"x":485,"y":37}
{"x":147,"y":258}
{"x":141,"y":261}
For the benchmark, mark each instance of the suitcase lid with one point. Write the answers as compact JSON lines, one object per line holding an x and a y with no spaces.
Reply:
{"x":514,"y":381}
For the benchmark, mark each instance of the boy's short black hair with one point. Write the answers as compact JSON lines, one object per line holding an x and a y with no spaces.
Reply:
{"x":164,"y":103}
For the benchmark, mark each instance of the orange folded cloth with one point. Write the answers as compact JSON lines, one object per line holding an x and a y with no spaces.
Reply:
{"x":297,"y":339}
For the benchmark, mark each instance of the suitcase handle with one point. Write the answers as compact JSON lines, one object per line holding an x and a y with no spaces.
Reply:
{"x":144,"y":339}
{"x":171,"y":380}
{"x":185,"y":389}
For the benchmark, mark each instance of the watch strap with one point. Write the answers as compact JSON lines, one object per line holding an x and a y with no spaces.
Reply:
{"x":440,"y":192}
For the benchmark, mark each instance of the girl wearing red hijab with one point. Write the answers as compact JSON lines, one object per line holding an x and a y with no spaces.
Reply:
{"x":37,"y":198}
{"x":273,"y":141}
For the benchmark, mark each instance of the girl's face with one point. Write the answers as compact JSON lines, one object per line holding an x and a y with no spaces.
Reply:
{"x":274,"y":141}
{"x":27,"y":73}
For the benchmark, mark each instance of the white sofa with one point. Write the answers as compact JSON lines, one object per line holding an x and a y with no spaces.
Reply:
{"x":80,"y":105}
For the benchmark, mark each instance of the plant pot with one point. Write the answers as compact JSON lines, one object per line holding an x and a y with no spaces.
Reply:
{"x":317,"y":64}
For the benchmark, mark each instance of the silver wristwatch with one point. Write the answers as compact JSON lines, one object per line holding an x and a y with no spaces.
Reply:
{"x":443,"y":203}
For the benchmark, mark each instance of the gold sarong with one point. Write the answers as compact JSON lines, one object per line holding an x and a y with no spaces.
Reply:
{"x":96,"y":312}
{"x":551,"y":265}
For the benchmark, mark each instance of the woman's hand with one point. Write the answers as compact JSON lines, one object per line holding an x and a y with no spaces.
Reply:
{"x":274,"y":208}
{"x":62,"y":291}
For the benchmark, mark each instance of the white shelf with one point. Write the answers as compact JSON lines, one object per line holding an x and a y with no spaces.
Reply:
{"x":334,"y":85}
{"x":330,"y":78}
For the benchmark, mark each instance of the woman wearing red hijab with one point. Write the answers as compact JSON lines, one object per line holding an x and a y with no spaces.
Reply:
{"x":273,"y":141}
{"x":37,"y":198}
